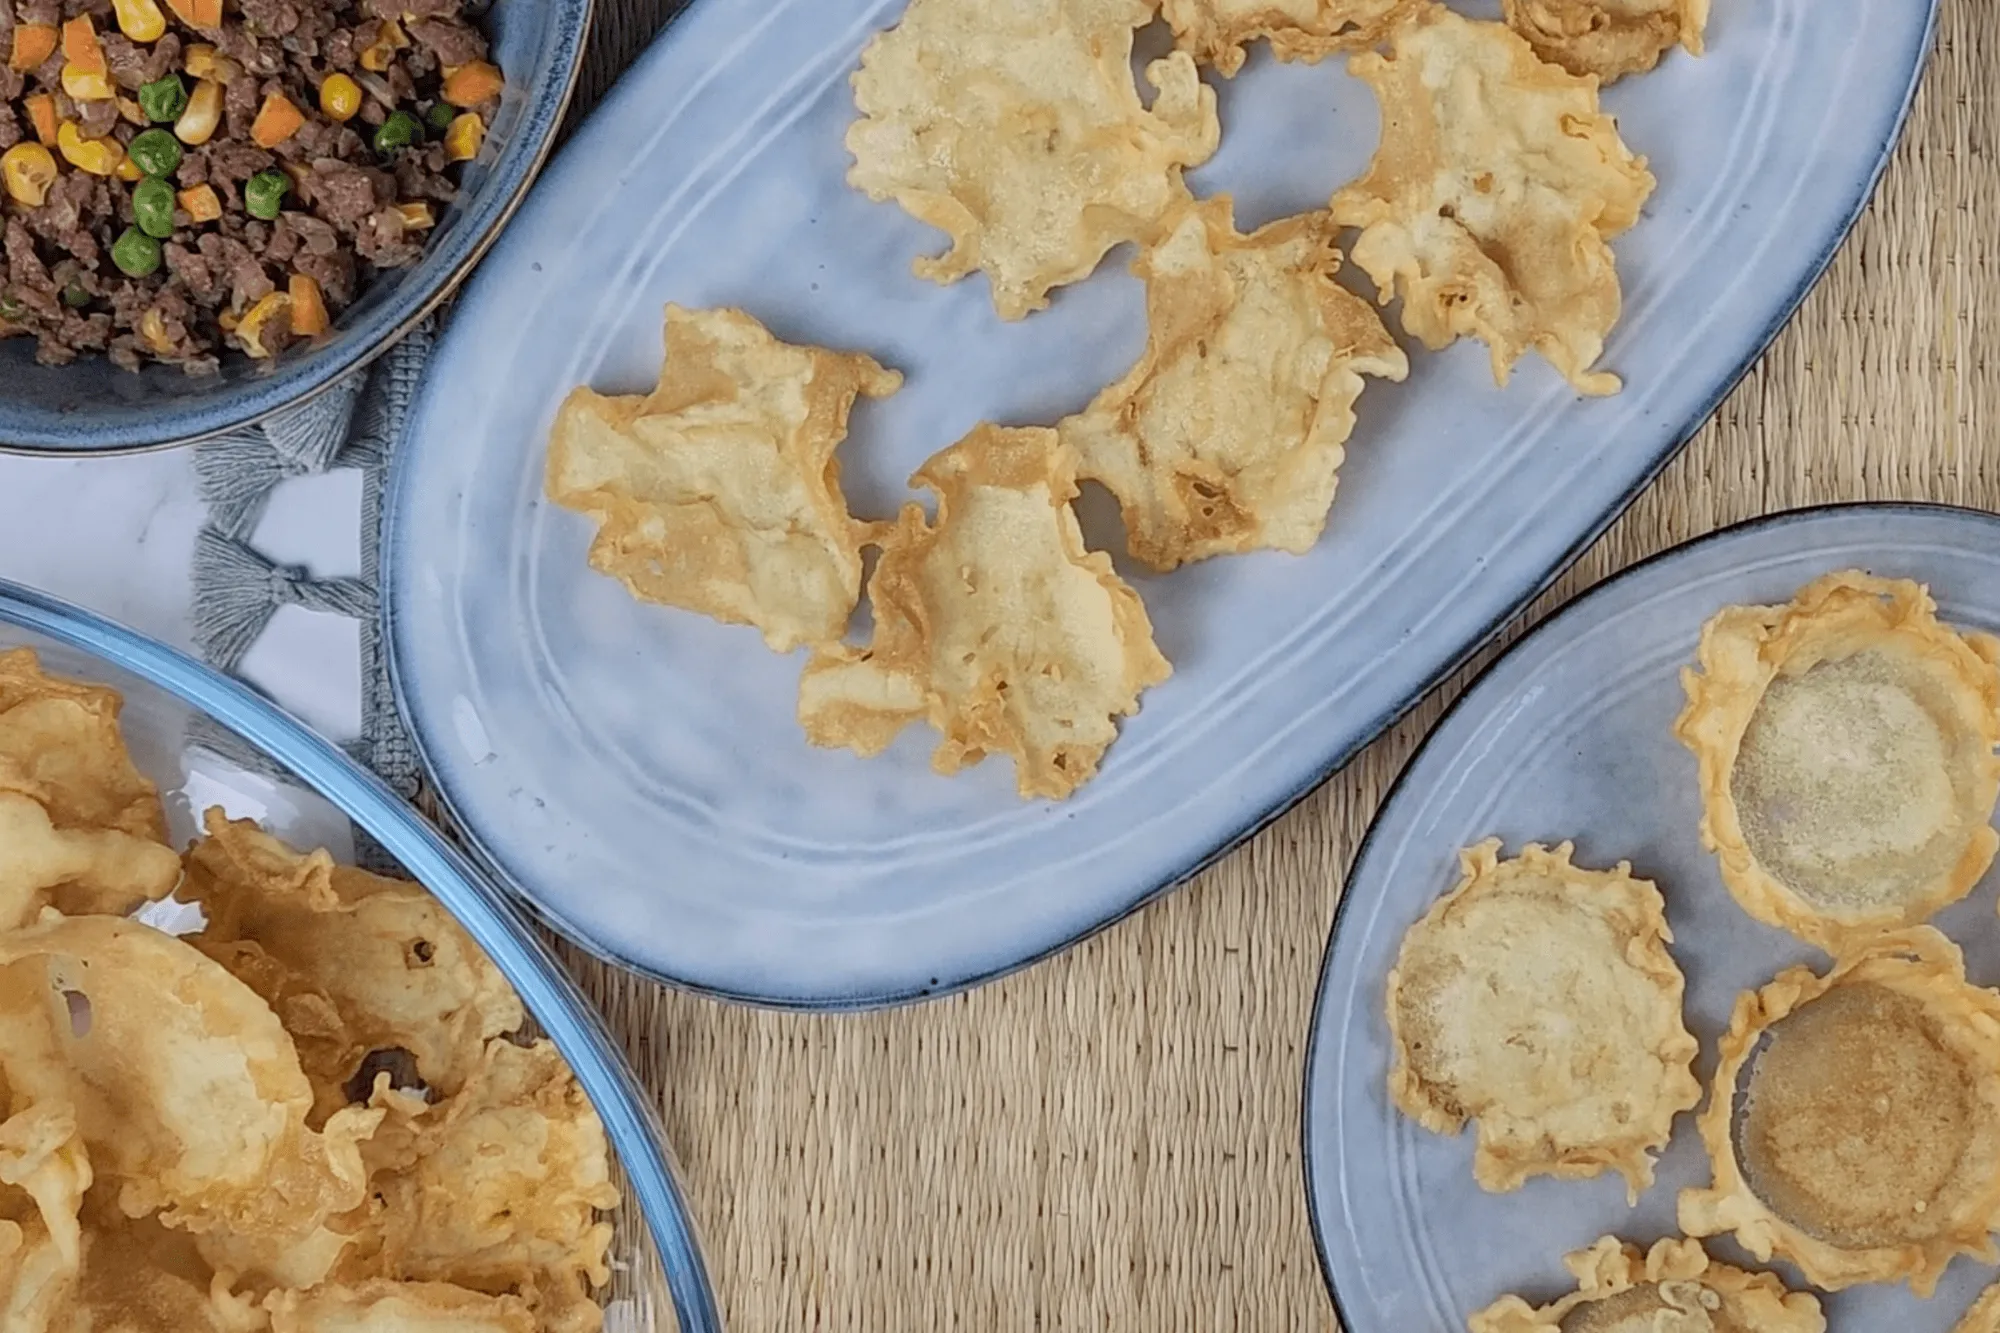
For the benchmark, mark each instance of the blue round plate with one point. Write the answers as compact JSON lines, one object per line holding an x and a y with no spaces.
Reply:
{"x":638,"y":773}
{"x":1568,"y":737}
{"x":92,"y":407}
{"x":165,"y":690}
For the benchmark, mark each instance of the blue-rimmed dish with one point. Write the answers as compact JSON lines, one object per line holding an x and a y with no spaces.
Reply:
{"x":208,"y":740}
{"x":1569,"y":736}
{"x":92,"y":407}
{"x":639,"y":774}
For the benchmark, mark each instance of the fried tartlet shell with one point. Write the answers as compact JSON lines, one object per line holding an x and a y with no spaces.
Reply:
{"x":1491,"y":201}
{"x":1538,"y":998}
{"x":1851,"y":624}
{"x":994,"y":623}
{"x":719,"y":491}
{"x":1216,"y":31}
{"x":1228,"y":434}
{"x":1623,"y":1289}
{"x":1018,"y":131}
{"x":1857,"y":1122}
{"x":1608,"y":38}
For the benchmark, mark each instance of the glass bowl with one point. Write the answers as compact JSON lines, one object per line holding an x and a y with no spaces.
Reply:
{"x":207,"y":740}
{"x":92,"y":407}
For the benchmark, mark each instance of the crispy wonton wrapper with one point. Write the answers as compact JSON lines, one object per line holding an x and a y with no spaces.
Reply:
{"x":1868,"y":1126}
{"x":1672,"y":1288}
{"x":1493,"y":194}
{"x":1539,"y":999}
{"x":398,"y":1307}
{"x":1017,"y":130}
{"x":44,"y":1173}
{"x":64,"y":736}
{"x":993,"y":623}
{"x":353,"y":962}
{"x":81,"y":829}
{"x":1846,"y":751}
{"x":1608,"y":38}
{"x":187,"y":1090}
{"x":77,"y":870}
{"x":1216,"y":31}
{"x":1227,"y":435}
{"x":500,"y":1189}
{"x":141,"y":1277}
{"x":719,"y":492}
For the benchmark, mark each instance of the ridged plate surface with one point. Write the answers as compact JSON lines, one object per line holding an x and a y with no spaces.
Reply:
{"x":638,"y":773}
{"x":1568,"y":736}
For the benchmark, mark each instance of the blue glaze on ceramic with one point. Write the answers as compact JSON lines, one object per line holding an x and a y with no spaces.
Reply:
{"x":92,"y":407}
{"x":554,"y":1000}
{"x":1569,"y":737}
{"x":637,"y":773}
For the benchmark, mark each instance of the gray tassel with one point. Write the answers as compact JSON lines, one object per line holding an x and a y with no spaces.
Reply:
{"x":240,"y":591}
{"x":238,"y":471}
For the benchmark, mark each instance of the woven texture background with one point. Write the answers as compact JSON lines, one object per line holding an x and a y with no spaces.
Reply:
{"x":1110,"y":1141}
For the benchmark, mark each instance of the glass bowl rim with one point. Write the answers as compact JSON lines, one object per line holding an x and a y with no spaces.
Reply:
{"x":488,"y":915}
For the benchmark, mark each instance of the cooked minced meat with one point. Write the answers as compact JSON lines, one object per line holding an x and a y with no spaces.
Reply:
{"x":181,"y":177}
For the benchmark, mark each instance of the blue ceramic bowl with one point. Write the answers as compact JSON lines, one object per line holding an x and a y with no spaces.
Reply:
{"x":206,"y":740}
{"x":92,"y":407}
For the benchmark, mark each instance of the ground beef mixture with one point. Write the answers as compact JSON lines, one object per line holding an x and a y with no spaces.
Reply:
{"x":183,"y":177}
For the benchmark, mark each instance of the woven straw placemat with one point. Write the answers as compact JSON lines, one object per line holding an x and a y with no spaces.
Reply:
{"x":1111,"y":1140}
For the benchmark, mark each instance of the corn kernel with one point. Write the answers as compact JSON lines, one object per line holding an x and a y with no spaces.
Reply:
{"x":99,"y":157}
{"x":340,"y":98}
{"x":84,"y":86}
{"x":204,"y":112}
{"x":128,"y":171}
{"x":140,"y":20}
{"x":132,"y":113}
{"x":417,"y":217}
{"x":381,"y":53}
{"x":257,"y":319}
{"x":463,"y":137}
{"x":153,"y":328}
{"x":203,"y":61}
{"x":28,"y":169}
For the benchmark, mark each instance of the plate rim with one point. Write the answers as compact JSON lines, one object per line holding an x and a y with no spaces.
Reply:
{"x":397,"y":485}
{"x":575,"y":1024}
{"x":1576,"y":607}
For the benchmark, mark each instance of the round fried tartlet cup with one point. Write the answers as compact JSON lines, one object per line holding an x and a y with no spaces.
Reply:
{"x":1859,"y":1116}
{"x":1846,"y":748}
{"x":1598,"y":1089}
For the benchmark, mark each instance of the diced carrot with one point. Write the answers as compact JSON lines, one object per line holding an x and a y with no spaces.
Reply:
{"x":473,"y":84}
{"x":277,"y":120}
{"x":81,"y":47}
{"x":197,"y":13}
{"x":42,"y":115}
{"x":201,"y":202}
{"x":308,"y":306}
{"x":33,"y":43}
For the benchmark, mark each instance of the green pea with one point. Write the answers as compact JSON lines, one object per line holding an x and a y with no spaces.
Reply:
{"x":441,"y":116}
{"x":153,"y":206}
{"x":264,"y":194}
{"x":136,"y":254}
{"x":164,"y":100}
{"x":155,"y":152}
{"x":76,"y":296}
{"x":11,"y":309}
{"x":400,"y":130}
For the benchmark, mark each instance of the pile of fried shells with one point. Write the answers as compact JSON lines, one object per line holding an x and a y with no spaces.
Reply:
{"x":1017,"y":128}
{"x":315,"y":1114}
{"x":1845,"y":746}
